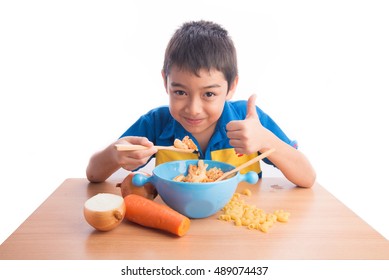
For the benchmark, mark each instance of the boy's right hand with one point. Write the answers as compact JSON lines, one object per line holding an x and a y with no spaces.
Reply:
{"x":131,"y":160}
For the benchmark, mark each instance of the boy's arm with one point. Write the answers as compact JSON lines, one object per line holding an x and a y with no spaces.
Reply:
{"x":248,"y":136}
{"x":290,"y":161}
{"x":102,"y":165}
{"x":107,"y":161}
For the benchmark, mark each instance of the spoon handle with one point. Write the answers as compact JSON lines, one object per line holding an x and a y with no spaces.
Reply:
{"x":130,"y":147}
{"x":244,"y":165}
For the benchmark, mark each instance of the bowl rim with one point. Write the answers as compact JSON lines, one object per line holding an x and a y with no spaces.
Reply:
{"x":195,"y":160}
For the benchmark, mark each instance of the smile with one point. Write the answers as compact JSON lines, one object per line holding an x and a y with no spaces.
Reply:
{"x":193,"y":121}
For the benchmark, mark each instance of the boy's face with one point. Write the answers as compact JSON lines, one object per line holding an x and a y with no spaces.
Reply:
{"x":197,"y":102}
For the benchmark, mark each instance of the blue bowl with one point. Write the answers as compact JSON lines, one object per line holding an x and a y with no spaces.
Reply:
{"x":194,"y":200}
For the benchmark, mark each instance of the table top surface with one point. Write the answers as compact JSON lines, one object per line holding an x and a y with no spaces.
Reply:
{"x":320,"y":227}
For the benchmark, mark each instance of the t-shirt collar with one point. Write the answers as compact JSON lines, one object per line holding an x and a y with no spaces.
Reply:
{"x":173,"y":130}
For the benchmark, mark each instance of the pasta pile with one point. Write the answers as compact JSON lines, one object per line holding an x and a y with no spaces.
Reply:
{"x":199,"y":174}
{"x":186,"y":143}
{"x":243,"y":214}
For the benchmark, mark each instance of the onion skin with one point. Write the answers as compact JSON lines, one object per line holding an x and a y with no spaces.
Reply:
{"x":127,"y":187}
{"x":105,"y":220}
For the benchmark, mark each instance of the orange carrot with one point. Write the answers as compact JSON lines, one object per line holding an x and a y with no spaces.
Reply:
{"x":151,"y":214}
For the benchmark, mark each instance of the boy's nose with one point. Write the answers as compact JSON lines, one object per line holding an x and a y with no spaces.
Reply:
{"x":194,"y":106}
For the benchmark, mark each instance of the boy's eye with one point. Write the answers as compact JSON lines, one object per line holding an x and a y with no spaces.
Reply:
{"x":179,"y":92}
{"x":209,"y":94}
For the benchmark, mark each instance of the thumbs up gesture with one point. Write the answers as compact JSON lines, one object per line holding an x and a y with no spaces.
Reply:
{"x":245,"y":134}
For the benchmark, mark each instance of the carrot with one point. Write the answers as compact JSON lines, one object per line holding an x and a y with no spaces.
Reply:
{"x":151,"y":214}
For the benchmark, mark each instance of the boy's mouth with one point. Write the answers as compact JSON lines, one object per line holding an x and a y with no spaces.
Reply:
{"x":193,"y":122}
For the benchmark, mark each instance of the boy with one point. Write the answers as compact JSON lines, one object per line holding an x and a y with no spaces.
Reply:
{"x":200,"y":77}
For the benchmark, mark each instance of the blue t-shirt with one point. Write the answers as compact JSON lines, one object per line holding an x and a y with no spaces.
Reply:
{"x":162,"y":129}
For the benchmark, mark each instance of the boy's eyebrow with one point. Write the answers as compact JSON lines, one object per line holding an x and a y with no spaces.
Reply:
{"x":175,"y":84}
{"x":212,"y":86}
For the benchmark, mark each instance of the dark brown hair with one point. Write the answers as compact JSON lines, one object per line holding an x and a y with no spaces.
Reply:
{"x":202,"y":45}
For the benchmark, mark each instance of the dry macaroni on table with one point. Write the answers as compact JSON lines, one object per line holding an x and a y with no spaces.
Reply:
{"x":243,"y":214}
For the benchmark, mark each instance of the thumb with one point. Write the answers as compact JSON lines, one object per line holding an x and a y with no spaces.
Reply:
{"x":251,"y":108}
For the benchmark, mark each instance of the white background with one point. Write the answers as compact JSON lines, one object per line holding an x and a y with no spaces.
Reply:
{"x":75,"y":74}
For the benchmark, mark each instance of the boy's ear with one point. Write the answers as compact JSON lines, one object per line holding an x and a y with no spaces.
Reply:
{"x":233,"y":86}
{"x":164,"y":79}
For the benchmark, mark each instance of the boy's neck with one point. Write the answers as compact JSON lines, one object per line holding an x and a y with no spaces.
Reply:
{"x":204,"y":137}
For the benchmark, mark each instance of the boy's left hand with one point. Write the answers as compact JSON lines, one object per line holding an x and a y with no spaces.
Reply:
{"x":245,"y":134}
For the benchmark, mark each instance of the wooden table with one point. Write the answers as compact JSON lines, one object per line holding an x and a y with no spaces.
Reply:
{"x":320,"y":227}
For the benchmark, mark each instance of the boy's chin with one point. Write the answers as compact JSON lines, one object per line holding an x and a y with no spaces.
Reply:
{"x":197,"y":131}
{"x":193,"y":130}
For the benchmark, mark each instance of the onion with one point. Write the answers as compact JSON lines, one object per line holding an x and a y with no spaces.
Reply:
{"x":127,"y":187}
{"x":104,"y":211}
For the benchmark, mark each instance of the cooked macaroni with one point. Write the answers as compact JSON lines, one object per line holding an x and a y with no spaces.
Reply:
{"x":199,"y":174}
{"x":186,"y":143}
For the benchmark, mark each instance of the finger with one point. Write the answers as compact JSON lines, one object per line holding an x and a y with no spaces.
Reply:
{"x":132,"y":160}
{"x":251,"y":108}
{"x":236,"y":143}
{"x":146,"y":142}
{"x":234,"y":134}
{"x":137,"y":140}
{"x":233,"y":126}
